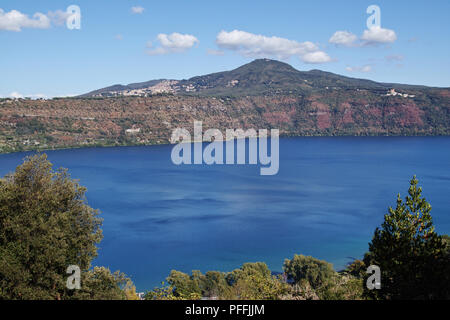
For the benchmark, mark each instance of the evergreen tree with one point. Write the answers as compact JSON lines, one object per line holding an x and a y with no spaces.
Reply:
{"x":410,"y":254}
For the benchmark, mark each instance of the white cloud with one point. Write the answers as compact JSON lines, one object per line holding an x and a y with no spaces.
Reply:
{"x":253,"y":45}
{"x":15,"y":95}
{"x":316,"y":57}
{"x":377,"y":35}
{"x":366,"y":68}
{"x":119,"y":37}
{"x":18,"y":95}
{"x":372,"y":36}
{"x":137,"y":10}
{"x":343,"y":38}
{"x":15,"y":21}
{"x":172,"y":43}
{"x":58,"y":17}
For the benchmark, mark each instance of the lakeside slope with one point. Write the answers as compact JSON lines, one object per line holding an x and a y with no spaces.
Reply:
{"x":263,"y":94}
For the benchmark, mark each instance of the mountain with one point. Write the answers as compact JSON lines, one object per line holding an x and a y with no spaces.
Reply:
{"x":119,"y":89}
{"x":263,"y":94}
{"x":262,"y":76}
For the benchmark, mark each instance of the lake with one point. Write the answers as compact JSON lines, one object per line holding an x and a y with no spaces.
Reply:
{"x":327,"y":199}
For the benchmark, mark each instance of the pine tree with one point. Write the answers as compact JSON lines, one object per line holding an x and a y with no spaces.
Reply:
{"x":410,"y":254}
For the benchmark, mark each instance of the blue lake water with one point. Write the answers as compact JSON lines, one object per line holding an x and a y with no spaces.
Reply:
{"x":327,"y":199}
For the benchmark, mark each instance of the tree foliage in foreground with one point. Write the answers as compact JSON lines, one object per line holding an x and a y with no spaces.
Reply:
{"x":45,"y":226}
{"x":316,"y":279}
{"x":253,"y":281}
{"x":413,"y":258}
{"x":316,"y":272}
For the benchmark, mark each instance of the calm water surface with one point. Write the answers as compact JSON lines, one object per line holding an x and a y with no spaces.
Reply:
{"x":326,"y":200}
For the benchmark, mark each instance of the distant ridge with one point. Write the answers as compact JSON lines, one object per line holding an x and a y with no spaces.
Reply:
{"x":261,"y":76}
{"x":261,"y":94}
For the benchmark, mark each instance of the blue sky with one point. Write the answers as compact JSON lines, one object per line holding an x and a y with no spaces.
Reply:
{"x":44,"y":57}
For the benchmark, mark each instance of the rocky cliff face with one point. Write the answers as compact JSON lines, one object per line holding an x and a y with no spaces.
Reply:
{"x":262,"y":94}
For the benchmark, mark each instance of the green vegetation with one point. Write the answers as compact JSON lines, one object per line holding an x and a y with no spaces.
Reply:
{"x":308,"y":271}
{"x":412,"y":257}
{"x":253,"y":281}
{"x":47,"y":225}
{"x":30,"y":126}
{"x":259,"y":77}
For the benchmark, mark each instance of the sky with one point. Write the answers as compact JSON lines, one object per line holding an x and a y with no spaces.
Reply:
{"x":126,"y":41}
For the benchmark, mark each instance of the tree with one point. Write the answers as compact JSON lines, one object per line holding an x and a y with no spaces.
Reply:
{"x":254,"y":281}
{"x":165,"y":292}
{"x":356,"y":269}
{"x":130,"y":291}
{"x":45,"y":226}
{"x":446,"y":239}
{"x":410,"y":254}
{"x":251,"y":281}
{"x":101,"y":284}
{"x":214,"y":285}
{"x":185,"y":287}
{"x":317,"y":272}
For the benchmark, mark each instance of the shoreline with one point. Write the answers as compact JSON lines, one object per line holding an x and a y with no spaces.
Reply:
{"x":89,"y":146}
